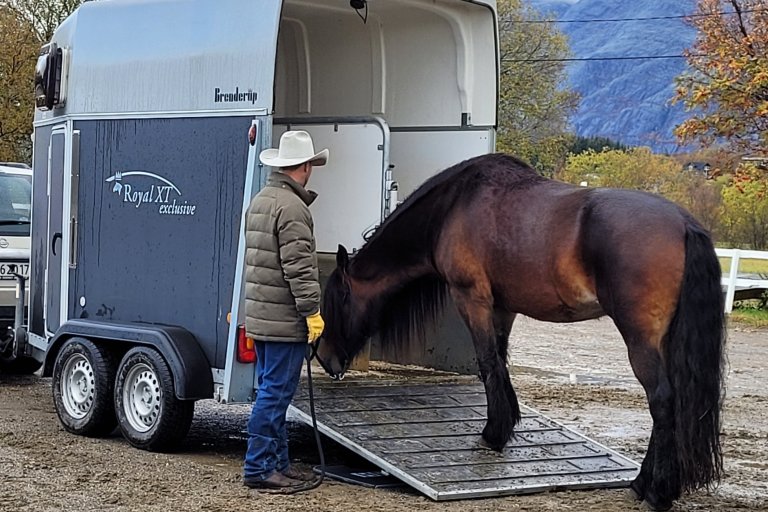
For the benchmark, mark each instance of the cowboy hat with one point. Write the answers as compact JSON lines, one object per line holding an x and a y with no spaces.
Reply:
{"x":295,"y":148}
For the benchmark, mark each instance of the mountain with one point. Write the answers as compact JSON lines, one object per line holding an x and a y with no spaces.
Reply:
{"x":626,"y":100}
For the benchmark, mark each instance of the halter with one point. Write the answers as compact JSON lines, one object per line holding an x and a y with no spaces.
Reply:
{"x":314,"y":355}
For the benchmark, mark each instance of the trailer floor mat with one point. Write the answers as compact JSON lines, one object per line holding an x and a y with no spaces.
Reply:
{"x":427,"y":436}
{"x":366,"y":477}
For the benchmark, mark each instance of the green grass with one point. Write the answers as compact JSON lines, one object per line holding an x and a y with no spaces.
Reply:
{"x":750,"y":317}
{"x":748,"y":266}
{"x":746,"y":312}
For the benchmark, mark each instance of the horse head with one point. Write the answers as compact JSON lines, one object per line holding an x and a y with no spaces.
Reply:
{"x":343,"y":337}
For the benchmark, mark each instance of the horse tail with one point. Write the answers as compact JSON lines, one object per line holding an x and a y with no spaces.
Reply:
{"x":694,"y":361}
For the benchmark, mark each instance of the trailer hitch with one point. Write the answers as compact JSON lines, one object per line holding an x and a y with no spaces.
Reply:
{"x":17,"y":335}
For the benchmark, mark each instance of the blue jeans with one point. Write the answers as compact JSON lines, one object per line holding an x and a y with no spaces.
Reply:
{"x":278,"y":367}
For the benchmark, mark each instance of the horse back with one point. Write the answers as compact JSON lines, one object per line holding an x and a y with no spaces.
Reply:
{"x":554,"y":251}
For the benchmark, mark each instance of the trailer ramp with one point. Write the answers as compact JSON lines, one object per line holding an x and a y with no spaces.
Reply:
{"x":426,"y":435}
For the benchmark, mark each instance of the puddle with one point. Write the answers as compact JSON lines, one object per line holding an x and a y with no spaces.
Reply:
{"x":575,"y":378}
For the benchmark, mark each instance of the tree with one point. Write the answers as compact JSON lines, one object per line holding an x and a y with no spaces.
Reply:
{"x":745,"y":208}
{"x":17,"y":65}
{"x":534,"y":105}
{"x":636,"y":168}
{"x":581,"y":144}
{"x":42,"y":15}
{"x":702,"y":197}
{"x":640,"y":169}
{"x":727,"y":84}
{"x":25,"y":25}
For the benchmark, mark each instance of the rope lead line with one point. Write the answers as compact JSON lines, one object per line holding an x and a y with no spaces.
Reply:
{"x":311,"y":353}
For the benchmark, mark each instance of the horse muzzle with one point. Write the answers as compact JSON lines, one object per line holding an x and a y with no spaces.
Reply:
{"x":328,"y":364}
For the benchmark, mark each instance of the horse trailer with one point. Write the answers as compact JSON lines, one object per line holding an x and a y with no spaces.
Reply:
{"x":150,"y":116}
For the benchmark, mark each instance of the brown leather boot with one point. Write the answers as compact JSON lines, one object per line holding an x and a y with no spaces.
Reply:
{"x":276,"y":483}
{"x":297,"y":474}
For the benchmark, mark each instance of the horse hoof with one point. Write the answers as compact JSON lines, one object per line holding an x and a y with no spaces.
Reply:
{"x":635,"y":491}
{"x":483,"y":444}
{"x":487,"y":445}
{"x":656,"y":505}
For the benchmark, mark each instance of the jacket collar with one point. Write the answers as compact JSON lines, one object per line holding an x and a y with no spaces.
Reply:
{"x":281,"y":180}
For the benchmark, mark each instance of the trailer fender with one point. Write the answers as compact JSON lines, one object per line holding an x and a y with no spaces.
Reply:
{"x":191,"y":370}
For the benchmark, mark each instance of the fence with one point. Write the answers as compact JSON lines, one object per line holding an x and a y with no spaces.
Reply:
{"x":739,"y":283}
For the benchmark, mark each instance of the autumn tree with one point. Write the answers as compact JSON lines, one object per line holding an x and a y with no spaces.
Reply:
{"x":745,"y":208}
{"x":42,"y":15}
{"x":18,"y":48}
{"x":25,"y":25}
{"x":635,"y":168}
{"x":726,"y":86}
{"x":640,"y":169}
{"x":534,"y":104}
{"x":701,"y":196}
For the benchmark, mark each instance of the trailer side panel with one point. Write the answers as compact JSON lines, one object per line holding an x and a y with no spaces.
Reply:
{"x":161,"y":205}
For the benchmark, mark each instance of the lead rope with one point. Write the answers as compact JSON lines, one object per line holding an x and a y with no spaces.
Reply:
{"x":311,"y":353}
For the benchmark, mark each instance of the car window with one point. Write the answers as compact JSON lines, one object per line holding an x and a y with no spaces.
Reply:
{"x":15,"y":204}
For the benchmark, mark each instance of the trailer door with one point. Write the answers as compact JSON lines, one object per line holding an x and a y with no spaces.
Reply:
{"x":53,"y":274}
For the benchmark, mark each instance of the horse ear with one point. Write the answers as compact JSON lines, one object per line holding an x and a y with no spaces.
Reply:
{"x":342,"y":258}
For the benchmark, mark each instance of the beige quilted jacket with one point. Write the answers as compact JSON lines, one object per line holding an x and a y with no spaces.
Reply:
{"x":282,"y":286}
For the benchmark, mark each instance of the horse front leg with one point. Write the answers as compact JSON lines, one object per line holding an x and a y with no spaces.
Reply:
{"x":502,"y":323}
{"x":503,"y":410}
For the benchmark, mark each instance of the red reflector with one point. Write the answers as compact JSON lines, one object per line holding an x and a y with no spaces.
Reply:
{"x":246,"y":350}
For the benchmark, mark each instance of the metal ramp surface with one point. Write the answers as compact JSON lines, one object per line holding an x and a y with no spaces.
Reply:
{"x":426,"y":435}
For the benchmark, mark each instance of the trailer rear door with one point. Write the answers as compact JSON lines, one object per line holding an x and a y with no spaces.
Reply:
{"x":54,"y":244}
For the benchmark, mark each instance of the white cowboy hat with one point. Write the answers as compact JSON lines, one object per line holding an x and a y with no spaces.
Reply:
{"x":295,"y":148}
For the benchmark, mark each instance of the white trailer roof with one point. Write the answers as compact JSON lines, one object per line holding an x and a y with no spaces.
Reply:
{"x":413,"y":62}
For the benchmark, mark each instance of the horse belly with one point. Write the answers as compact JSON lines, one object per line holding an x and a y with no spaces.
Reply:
{"x":578,"y":298}
{"x":567,"y":312}
{"x":550,"y":303}
{"x":586,"y":310}
{"x":569,"y":298}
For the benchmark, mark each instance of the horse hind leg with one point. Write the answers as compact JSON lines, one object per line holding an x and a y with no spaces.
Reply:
{"x":476,"y":310}
{"x":658,"y":482}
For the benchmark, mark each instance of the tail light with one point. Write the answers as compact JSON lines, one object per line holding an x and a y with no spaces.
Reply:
{"x":246,"y":349}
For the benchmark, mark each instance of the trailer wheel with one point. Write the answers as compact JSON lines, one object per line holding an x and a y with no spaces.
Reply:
{"x":148,"y":412}
{"x":83,"y":380}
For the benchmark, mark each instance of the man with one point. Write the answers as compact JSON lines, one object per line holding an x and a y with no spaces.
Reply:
{"x":282,"y":305}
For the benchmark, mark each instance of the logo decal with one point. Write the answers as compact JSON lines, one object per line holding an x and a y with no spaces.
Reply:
{"x":237,"y":96}
{"x":165,"y":195}
{"x":4,"y":243}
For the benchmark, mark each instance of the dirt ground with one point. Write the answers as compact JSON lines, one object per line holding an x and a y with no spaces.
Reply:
{"x":575,"y":373}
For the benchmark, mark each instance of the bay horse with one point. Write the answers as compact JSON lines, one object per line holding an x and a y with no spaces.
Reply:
{"x":501,"y":240}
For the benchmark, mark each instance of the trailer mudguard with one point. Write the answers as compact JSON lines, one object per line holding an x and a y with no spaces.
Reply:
{"x":192,"y":377}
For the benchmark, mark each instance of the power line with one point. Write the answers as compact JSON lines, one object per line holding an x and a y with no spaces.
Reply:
{"x":582,"y":59}
{"x":649,"y":18}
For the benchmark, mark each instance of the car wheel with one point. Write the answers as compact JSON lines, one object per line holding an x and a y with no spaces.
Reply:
{"x":148,"y":412}
{"x":83,"y":380}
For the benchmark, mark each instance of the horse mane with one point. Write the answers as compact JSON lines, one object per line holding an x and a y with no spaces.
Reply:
{"x":411,"y":231}
{"x":492,"y":164}
{"x":483,"y":169}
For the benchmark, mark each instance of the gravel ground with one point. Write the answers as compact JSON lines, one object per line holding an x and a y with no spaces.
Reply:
{"x":575,"y":373}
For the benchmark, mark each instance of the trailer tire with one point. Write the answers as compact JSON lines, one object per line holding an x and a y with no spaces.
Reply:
{"x":148,"y":412}
{"x":82,"y":384}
